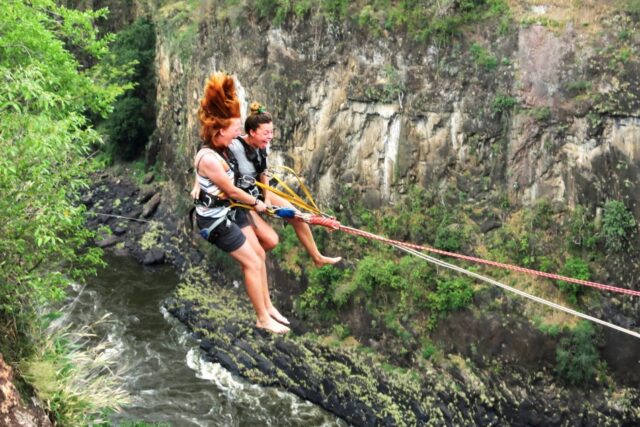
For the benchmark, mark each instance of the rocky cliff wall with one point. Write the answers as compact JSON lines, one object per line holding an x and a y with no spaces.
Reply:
{"x":544,"y":108}
{"x":381,"y":114}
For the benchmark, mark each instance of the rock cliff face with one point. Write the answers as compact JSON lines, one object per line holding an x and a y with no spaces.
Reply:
{"x":383,"y":114}
{"x":14,"y":412}
{"x":535,"y":112}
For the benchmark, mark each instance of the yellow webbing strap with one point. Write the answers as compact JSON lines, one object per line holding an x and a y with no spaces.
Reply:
{"x":304,"y":188}
{"x":295,"y":199}
{"x":269,"y":211}
{"x":287,"y":194}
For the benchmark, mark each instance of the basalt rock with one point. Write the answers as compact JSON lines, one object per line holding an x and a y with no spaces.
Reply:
{"x":150,"y":207}
{"x":356,"y":388}
{"x":154,"y":256}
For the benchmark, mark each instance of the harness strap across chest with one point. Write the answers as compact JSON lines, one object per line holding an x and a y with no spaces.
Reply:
{"x":257,"y":156}
{"x":209,"y":200}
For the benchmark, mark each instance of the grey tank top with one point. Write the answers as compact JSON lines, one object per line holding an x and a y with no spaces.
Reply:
{"x":245,"y":166}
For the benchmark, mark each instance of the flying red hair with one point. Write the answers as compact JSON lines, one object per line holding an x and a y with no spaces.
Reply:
{"x":218,"y":105}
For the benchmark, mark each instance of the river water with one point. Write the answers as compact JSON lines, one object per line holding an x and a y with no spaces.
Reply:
{"x":162,"y":369}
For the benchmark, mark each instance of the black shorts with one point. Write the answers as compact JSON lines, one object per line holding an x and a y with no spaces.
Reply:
{"x":227,"y":236}
{"x":241,"y":217}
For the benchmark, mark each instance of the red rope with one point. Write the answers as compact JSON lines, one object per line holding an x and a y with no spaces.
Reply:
{"x":334,"y":224}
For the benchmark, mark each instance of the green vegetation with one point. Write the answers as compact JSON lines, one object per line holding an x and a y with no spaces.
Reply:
{"x":406,"y":297}
{"x":618,"y":224}
{"x":393,"y":89}
{"x":46,"y":137}
{"x":540,"y":20}
{"x":178,"y":21}
{"x":541,"y":114}
{"x":503,"y":103}
{"x":404,"y":292}
{"x":279,"y":10}
{"x":449,"y":237}
{"x":578,"y":87}
{"x":67,"y":373}
{"x":423,"y":20}
{"x":130,"y":124}
{"x":402,"y":288}
{"x":576,"y":268}
{"x":581,"y":231}
{"x":632,"y":7}
{"x":523,"y":239}
{"x":428,"y":349}
{"x":45,"y":140}
{"x":482,"y":57}
{"x":577,"y":356}
{"x":322,"y":285}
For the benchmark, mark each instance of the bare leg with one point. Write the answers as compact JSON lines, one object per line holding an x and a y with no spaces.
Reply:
{"x":254,"y":271}
{"x":303,"y":231}
{"x":264,"y":283}
{"x":305,"y":236}
{"x":266,"y":235}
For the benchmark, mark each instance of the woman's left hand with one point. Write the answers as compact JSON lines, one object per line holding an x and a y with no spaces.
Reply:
{"x":260,"y":206}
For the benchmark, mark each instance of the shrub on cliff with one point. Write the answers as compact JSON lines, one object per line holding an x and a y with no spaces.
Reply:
{"x":577,"y":357}
{"x":576,"y":268}
{"x":45,"y":142}
{"x":618,"y":224}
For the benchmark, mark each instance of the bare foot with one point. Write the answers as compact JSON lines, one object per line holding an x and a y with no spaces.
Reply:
{"x":272,"y":326}
{"x":273,"y":312}
{"x":326,"y":260}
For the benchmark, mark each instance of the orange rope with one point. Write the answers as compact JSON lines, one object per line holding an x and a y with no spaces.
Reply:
{"x":335,"y":225}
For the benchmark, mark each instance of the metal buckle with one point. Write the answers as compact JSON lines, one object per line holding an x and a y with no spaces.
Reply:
{"x":249,"y":181}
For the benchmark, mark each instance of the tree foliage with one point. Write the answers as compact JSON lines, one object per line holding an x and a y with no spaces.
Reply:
{"x":129,"y":126}
{"x":45,"y":138}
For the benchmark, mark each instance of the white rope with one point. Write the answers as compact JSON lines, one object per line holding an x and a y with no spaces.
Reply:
{"x":116,"y":216}
{"x":516,"y":291}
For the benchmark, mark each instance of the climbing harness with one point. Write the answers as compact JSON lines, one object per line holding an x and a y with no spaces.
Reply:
{"x":210,"y":201}
{"x":213,"y":201}
{"x":257,"y":156}
{"x":206,"y":232}
{"x":288,"y":194}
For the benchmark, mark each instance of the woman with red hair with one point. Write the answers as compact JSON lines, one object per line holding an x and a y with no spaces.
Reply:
{"x":219,"y":115}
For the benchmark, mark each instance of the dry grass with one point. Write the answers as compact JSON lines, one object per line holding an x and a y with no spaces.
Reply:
{"x":77,"y":378}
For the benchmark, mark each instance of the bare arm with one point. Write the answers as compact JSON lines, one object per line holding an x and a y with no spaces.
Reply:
{"x":213,"y":169}
{"x":267,"y":194}
{"x":195,"y":191}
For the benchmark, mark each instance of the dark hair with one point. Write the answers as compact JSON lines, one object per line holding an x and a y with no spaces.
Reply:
{"x":257,"y":116}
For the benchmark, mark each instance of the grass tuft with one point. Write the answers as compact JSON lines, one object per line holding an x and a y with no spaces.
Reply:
{"x":76,"y":377}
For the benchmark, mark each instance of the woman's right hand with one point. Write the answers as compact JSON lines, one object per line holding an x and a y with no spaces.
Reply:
{"x":195,"y":191}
